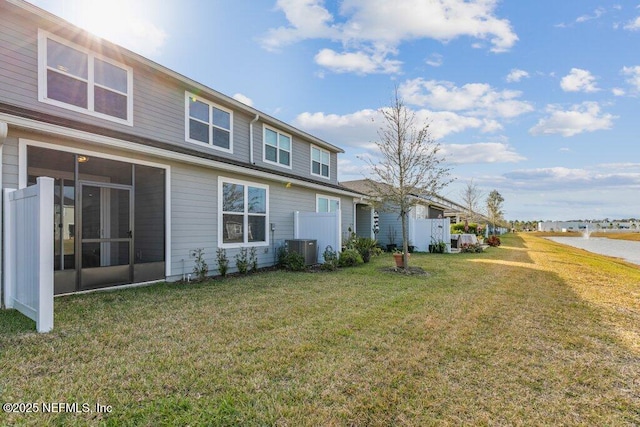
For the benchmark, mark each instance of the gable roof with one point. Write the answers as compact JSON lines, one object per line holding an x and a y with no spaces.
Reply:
{"x":368,"y":187}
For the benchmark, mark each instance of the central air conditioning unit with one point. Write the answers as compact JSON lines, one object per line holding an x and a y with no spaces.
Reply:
{"x":307,"y":248}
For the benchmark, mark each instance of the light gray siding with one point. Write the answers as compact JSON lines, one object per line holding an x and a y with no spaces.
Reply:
{"x":158,"y":99}
{"x":193,"y":206}
{"x":364,"y":226}
{"x":390,"y":228}
{"x":300,"y":156}
{"x":10,"y":163}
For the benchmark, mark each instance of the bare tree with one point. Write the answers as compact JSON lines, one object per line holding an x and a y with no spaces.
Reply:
{"x":494,"y":208}
{"x":410,"y":164}
{"x":471,"y":196}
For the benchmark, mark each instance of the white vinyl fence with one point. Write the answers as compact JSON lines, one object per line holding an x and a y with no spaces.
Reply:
{"x":28,"y":252}
{"x":423,"y":232}
{"x":325,"y":227}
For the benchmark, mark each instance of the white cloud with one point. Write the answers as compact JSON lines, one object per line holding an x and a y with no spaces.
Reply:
{"x":634,"y":76}
{"x":355,"y":130}
{"x":516,"y":75}
{"x":378,"y":27}
{"x":596,"y":14}
{"x":600,"y":176}
{"x":308,"y":19}
{"x":244,"y":99}
{"x":435,"y":60}
{"x":585,"y":117}
{"x":356,"y":62}
{"x":633,"y":25}
{"x":477,"y":99}
{"x":484,"y":152}
{"x":360,"y":129}
{"x":578,"y":80}
{"x":618,"y":91}
{"x":350,"y":170}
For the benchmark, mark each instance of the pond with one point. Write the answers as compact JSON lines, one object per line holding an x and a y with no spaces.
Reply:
{"x":625,"y":249}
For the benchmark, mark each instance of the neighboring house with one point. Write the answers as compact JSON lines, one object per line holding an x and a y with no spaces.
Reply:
{"x":148,"y":164}
{"x":389,"y":222}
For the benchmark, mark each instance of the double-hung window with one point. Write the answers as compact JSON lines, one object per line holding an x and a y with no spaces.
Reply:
{"x":244,"y":216}
{"x":208,"y":123}
{"x":74,"y":78}
{"x":277,"y":147}
{"x":320,"y":162}
{"x":327,"y":204}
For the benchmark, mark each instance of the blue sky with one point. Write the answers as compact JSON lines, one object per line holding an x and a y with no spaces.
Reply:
{"x":536,"y":99}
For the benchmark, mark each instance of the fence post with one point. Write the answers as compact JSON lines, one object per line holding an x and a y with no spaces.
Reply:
{"x":44,"y":323}
{"x":9,"y":250}
{"x":338,"y":213}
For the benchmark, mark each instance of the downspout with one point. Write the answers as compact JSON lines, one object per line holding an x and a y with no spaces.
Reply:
{"x":251,"y":138}
{"x":4,"y":131}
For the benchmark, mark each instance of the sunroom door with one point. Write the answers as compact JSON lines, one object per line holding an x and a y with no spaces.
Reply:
{"x":106,"y":240}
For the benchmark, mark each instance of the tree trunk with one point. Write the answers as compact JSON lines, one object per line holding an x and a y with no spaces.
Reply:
{"x":405,"y":242}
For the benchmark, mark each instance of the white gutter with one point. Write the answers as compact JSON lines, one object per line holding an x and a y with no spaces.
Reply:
{"x":251,"y":138}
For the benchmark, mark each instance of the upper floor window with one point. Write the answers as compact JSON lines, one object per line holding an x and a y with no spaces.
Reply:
{"x":77,"y":79}
{"x":320,"y":162}
{"x":208,"y":123}
{"x":277,"y":147}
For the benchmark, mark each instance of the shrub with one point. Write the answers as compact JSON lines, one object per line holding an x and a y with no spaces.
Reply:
{"x":295,"y":262}
{"x":365,"y":246}
{"x":291,"y":261}
{"x":242,"y":261}
{"x":439,"y":247}
{"x":200,"y":269}
{"x":471,"y":248}
{"x":330,"y":259}
{"x":493,"y":241}
{"x":458,"y":228}
{"x":253,"y":259}
{"x":350,"y":258}
{"x":223,"y":261}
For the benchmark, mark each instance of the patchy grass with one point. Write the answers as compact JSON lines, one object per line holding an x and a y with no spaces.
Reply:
{"x":528,"y":333}
{"x":632,"y":236}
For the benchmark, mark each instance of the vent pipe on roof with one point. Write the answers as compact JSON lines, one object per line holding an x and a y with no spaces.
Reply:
{"x":251,"y":138}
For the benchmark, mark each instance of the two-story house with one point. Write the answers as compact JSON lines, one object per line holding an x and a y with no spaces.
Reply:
{"x":148,"y":164}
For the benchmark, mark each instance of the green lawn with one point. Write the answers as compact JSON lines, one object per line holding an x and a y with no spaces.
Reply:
{"x":529,"y":333}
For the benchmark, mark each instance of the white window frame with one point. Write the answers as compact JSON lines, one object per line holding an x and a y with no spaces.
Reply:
{"x":311,"y":162}
{"x":246,"y":243}
{"x":329,"y":199}
{"x":189,"y":95}
{"x":264,"y":147}
{"x":43,"y":36}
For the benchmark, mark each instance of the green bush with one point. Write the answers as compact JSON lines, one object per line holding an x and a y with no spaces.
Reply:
{"x":365,"y":246}
{"x":439,"y":247}
{"x":223,"y":261}
{"x":458,"y":228}
{"x":242,"y":261}
{"x":253,"y":259}
{"x":291,"y":261}
{"x":330,"y":259}
{"x":471,"y":248}
{"x":200,"y":268}
{"x":350,"y":258}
